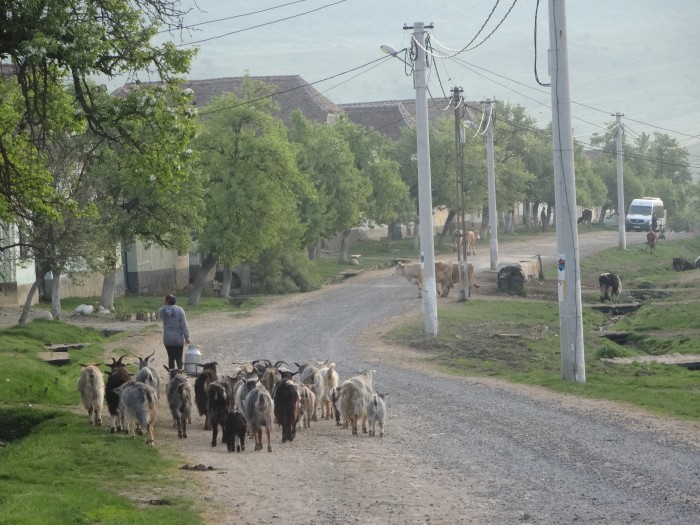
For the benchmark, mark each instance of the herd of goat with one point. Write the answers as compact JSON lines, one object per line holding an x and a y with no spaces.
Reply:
{"x":257,"y":395}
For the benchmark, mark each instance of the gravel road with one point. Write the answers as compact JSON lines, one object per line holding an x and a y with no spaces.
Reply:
{"x":455,"y":450}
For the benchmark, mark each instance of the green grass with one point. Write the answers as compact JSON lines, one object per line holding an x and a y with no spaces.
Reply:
{"x":516,"y":339}
{"x":65,"y":471}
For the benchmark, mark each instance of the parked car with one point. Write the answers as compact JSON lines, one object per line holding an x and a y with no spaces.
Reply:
{"x":611,"y":220}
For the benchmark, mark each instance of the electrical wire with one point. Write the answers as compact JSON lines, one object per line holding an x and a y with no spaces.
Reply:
{"x":537,"y":78}
{"x":190,"y":26}
{"x":262,"y":25}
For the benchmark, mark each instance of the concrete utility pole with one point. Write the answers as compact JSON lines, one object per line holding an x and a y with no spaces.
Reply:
{"x":425,"y":192}
{"x":493,"y":215}
{"x":620,"y":185}
{"x":573,"y":367}
{"x":464,"y":291}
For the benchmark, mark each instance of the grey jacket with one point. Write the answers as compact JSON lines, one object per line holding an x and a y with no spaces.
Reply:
{"x":175,"y":329}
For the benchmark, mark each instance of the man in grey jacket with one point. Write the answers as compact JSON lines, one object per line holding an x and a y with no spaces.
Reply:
{"x":176,"y":333}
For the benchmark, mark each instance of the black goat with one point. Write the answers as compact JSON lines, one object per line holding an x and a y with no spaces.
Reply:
{"x":235,"y":427}
{"x":208,"y":375}
{"x":287,"y":408}
{"x":118,"y":376}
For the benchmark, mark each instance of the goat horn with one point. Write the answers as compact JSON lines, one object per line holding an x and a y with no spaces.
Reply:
{"x":278,"y":363}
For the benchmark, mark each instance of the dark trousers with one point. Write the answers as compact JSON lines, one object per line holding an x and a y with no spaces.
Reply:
{"x":175,"y":356}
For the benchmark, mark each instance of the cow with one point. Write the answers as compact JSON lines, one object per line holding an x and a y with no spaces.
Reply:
{"x":455,"y":276}
{"x":443,"y":278}
{"x":586,"y":217}
{"x":610,"y":287}
{"x":471,"y":237}
{"x":652,"y":237}
{"x":413,"y":273}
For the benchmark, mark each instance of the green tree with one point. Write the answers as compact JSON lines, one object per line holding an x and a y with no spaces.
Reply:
{"x":389,"y":199}
{"x":50,"y":43}
{"x":324,"y":156}
{"x":254,"y":188}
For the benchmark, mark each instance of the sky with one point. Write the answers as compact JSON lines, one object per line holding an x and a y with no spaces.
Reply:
{"x":640,"y":58}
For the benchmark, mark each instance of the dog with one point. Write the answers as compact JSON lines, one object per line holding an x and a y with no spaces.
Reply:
{"x":610,"y":287}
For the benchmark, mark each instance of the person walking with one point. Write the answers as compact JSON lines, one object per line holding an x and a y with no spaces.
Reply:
{"x":176,"y":332}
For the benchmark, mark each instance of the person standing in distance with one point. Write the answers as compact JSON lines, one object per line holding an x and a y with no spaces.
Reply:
{"x":176,"y":333}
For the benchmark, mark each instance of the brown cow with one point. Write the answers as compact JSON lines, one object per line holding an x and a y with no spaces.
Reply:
{"x":652,"y":237}
{"x":472,"y":237}
{"x":413,"y":272}
{"x":455,"y":276}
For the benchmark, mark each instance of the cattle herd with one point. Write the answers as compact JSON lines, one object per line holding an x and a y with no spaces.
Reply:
{"x":257,"y":396}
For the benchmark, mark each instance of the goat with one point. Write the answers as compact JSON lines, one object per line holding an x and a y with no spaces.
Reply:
{"x":307,"y":402}
{"x":271,"y":376}
{"x":118,"y":375}
{"x":219,"y":398}
{"x":257,"y":410}
{"x":179,"y":394}
{"x":681,"y":265}
{"x":356,"y":392}
{"x":207,"y":375}
{"x":147,"y":374}
{"x":330,"y":381}
{"x":91,"y":386}
{"x":376,"y":412}
{"x":335,"y":399}
{"x":137,"y":403}
{"x":311,"y":376}
{"x":234,"y":428}
{"x":287,"y":408}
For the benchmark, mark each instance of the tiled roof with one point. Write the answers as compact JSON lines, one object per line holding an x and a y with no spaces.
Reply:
{"x":291,"y":92}
{"x":388,"y":117}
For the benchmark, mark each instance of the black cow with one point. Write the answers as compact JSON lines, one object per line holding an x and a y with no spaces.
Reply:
{"x":586,"y":217}
{"x":610,"y":287}
{"x":681,"y":265}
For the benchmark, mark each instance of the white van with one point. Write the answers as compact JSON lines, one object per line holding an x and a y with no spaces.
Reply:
{"x":640,"y":212}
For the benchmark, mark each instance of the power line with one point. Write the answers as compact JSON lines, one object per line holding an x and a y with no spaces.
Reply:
{"x":190,"y":26}
{"x":262,"y":25}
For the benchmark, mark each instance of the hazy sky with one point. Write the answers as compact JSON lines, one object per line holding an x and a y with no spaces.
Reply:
{"x":638,"y":57}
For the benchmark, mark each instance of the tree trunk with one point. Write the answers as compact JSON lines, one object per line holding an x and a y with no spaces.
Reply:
{"x":56,"y":294}
{"x":446,"y":228}
{"x":312,"y":251}
{"x":484,"y":231}
{"x":28,"y":301}
{"x":108,"y":284}
{"x":226,"y":282}
{"x":207,"y":264}
{"x":344,"y":247}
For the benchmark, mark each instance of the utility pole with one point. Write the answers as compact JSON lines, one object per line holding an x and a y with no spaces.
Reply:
{"x":573,"y":366}
{"x":620,"y":184}
{"x":493,"y":215}
{"x":425,"y":192}
{"x":464,"y":291}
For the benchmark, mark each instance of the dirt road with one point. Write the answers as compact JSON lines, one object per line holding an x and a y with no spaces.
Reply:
{"x":467,"y":451}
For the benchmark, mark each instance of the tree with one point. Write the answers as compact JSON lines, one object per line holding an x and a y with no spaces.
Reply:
{"x":324,"y":156}
{"x":53,"y":42}
{"x":389,"y":199}
{"x":254,"y":188}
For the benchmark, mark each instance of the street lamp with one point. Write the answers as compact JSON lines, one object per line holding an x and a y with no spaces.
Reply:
{"x":425,"y":194}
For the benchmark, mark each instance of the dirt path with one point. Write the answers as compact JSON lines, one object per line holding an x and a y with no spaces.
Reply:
{"x":455,"y":451}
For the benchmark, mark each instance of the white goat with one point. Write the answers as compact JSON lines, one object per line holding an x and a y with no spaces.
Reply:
{"x":148,"y":374}
{"x":311,"y":376}
{"x":356,"y":393}
{"x":330,"y":381}
{"x":91,"y":386}
{"x":307,"y":402}
{"x":179,"y":393}
{"x":376,"y":412}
